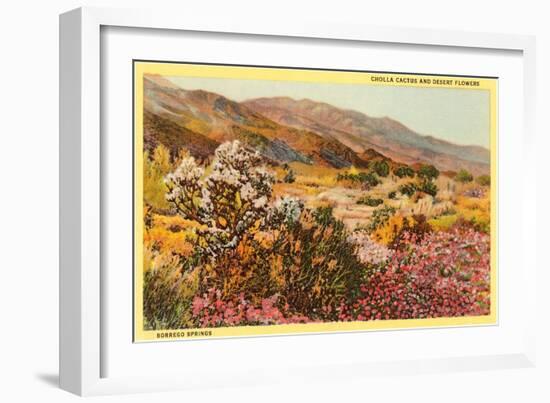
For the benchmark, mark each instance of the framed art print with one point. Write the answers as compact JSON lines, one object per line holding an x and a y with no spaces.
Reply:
{"x":242,"y":202}
{"x":269,"y":200}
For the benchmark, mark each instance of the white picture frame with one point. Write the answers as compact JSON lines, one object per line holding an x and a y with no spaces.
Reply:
{"x":81,"y":306}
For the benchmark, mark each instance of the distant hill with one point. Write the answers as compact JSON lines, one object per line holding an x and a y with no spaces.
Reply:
{"x":361,"y":133}
{"x":206,"y":119}
{"x":285,"y":130}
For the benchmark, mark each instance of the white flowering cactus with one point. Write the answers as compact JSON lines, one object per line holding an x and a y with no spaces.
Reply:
{"x":229,"y":202}
{"x":185,"y":189}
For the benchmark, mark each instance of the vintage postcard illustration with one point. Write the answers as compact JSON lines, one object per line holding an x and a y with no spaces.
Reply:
{"x":285,"y":200}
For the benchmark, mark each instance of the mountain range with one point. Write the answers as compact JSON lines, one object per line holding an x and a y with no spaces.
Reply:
{"x":283,"y":129}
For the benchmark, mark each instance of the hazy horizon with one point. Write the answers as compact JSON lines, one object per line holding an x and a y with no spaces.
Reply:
{"x":459,"y":116}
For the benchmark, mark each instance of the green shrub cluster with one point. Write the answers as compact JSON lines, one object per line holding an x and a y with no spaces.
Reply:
{"x":380,"y":217}
{"x":426,"y":175}
{"x":404,"y":171}
{"x":381,"y":168}
{"x":369,"y":201}
{"x":483,"y":180}
{"x":320,"y":265}
{"x":463,"y":176}
{"x":428,"y":187}
{"x":408,"y":189}
{"x":167,"y":297}
{"x":427,"y":172}
{"x":365,"y":178}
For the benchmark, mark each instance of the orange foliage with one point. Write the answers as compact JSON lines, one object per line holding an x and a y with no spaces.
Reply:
{"x":389,"y":231}
{"x":170,"y":234}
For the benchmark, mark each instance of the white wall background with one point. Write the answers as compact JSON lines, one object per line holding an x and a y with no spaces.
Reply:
{"x":29,"y":201}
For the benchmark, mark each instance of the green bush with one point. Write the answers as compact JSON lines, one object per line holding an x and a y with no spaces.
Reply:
{"x":381,"y":168}
{"x":319,"y":265}
{"x":380,"y":217}
{"x":167,"y":297}
{"x":155,"y":167}
{"x":404,"y":171}
{"x":428,"y":187}
{"x":463,"y":176}
{"x":369,"y":201}
{"x":408,"y":189}
{"x":368,"y":179}
{"x":484,"y":180}
{"x":428,"y":172}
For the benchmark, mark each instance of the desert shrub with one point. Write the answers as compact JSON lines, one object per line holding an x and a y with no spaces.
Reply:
{"x":476,"y":211}
{"x":155,"y":167}
{"x":473,"y":213}
{"x":444,"y":222}
{"x":229,"y":203}
{"x":446,"y":274}
{"x":392,"y":195}
{"x":484,"y":180}
{"x":404,"y":171}
{"x":147,"y":216}
{"x":428,"y":187}
{"x":381,"y":168}
{"x":391,"y":229}
{"x":228,"y":207}
{"x":480,"y":224}
{"x":171,"y":235}
{"x":367,"y":179}
{"x":167,"y":292}
{"x":304,"y":257}
{"x":380,"y":217}
{"x":248,"y":270}
{"x":253,"y":268}
{"x":319,"y":266}
{"x":344,"y":177}
{"x":417,"y":225}
{"x":369,"y":201}
{"x":290,"y":176}
{"x":472,"y":223}
{"x":408,"y":189}
{"x":463,"y":176}
{"x":428,"y":172}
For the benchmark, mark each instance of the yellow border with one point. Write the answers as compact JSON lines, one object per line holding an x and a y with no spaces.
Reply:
{"x":303,"y":75}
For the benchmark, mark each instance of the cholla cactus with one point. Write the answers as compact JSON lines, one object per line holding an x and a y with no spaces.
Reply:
{"x":185,"y":188}
{"x":230,"y":202}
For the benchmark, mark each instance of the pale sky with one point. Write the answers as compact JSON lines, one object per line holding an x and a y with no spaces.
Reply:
{"x":457,"y":115}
